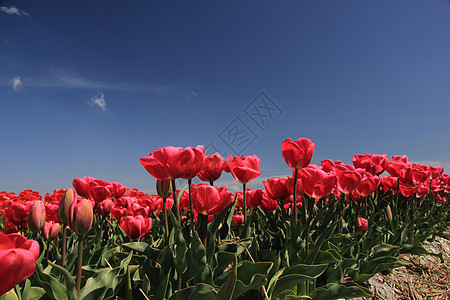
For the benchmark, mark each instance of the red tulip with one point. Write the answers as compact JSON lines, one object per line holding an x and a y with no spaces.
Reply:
{"x":50,"y":230}
{"x":372,"y":163}
{"x":395,"y":167}
{"x":51,"y":212}
{"x":389,"y":183}
{"x":402,"y":158}
{"x":238,"y":219}
{"x":407,"y":190}
{"x":253,"y":197}
{"x":328,"y":165}
{"x":136,"y":227}
{"x":369,"y":184}
{"x":245,"y":168}
{"x":297,"y":154}
{"x":434,"y":172}
{"x":277,"y":188}
{"x":317,"y":183}
{"x":190,"y":161}
{"x":104,"y":207}
{"x":348,"y":178}
{"x":99,"y":190}
{"x":117,"y":189}
{"x":81,"y":185}
{"x":36,"y":217}
{"x":17,"y":213}
{"x":210,"y":200}
{"x":213,"y":167}
{"x":162,"y":163}
{"x":18,"y":257}
{"x":63,"y":211}
{"x":80,"y":216}
{"x":362,"y":225}
{"x":268,"y":203}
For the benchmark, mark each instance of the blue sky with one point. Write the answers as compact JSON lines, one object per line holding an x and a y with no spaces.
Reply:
{"x":87,"y":89}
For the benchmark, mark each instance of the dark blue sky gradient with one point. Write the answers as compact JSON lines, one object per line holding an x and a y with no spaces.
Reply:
{"x":353,"y":76}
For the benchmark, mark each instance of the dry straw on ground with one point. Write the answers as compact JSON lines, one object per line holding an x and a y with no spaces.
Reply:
{"x":425,"y":278}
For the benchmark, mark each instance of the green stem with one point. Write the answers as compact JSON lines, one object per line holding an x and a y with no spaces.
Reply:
{"x":295,"y":195}
{"x":80,"y":263}
{"x":166,"y":224}
{"x":175,"y":202}
{"x":191,"y":207}
{"x":244,"y":205}
{"x":64,"y":246}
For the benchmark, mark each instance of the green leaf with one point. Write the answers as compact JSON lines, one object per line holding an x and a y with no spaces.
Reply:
{"x":376,"y":265}
{"x":201,"y":291}
{"x":384,"y":250}
{"x":325,"y":235}
{"x":52,"y":286}
{"x":251,"y":276}
{"x":70,"y":281}
{"x":140,"y":247}
{"x":227,"y":289}
{"x":417,"y":249}
{"x":162,"y":289}
{"x":227,"y":213}
{"x":339,"y":291}
{"x":296,"y":275}
{"x":273,"y":281}
{"x":180,"y":252}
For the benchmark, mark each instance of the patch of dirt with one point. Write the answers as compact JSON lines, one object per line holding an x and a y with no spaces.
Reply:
{"x":425,"y":278}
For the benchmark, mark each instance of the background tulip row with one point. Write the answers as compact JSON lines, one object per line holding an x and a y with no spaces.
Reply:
{"x":320,"y":233}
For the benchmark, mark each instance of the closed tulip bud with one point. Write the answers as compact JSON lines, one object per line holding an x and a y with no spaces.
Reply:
{"x":389,"y":213}
{"x":64,"y":205}
{"x":36,"y":217}
{"x":164,"y":188}
{"x":362,"y":225}
{"x":50,"y":230}
{"x":80,"y":216}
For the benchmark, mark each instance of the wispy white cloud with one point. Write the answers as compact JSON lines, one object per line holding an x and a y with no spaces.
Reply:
{"x":14,"y":11}
{"x":98,"y":100}
{"x":16,"y":83}
{"x":189,"y":95}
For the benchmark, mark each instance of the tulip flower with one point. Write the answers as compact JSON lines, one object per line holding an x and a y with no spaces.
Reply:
{"x":50,"y":230}
{"x":80,"y":216}
{"x":238,"y":219}
{"x":210,"y":200}
{"x":317,"y":183}
{"x":162,"y":163}
{"x":136,"y":227}
{"x":69,"y":197}
{"x":213,"y":167}
{"x":117,"y":189}
{"x":277,"y":188}
{"x":297,"y":154}
{"x":244,"y":169}
{"x":18,"y":257}
{"x":372,"y":163}
{"x":104,"y":207}
{"x":81,"y":185}
{"x":36,"y":217}
{"x":99,"y":190}
{"x":361,"y":225}
{"x":348,"y":178}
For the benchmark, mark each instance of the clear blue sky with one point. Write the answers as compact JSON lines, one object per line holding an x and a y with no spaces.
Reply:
{"x":87,"y":88}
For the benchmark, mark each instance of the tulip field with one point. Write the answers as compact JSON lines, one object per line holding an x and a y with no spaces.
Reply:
{"x":320,"y":233}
